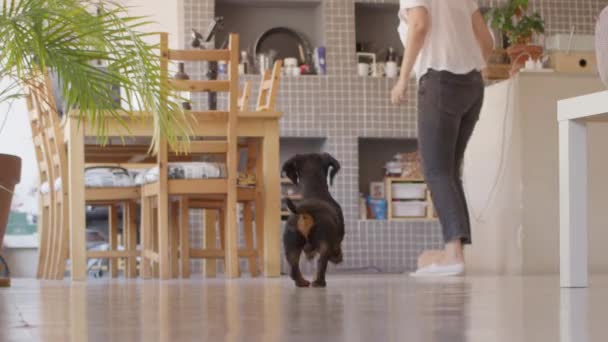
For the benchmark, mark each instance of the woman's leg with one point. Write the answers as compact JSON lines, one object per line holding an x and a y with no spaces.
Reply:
{"x":453,"y":252}
{"x":467,"y":127}
{"x":446,"y":121}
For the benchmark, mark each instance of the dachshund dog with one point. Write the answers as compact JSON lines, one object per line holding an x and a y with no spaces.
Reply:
{"x":316,"y":225}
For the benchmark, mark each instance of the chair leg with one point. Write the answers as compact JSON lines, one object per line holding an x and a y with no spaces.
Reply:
{"x":43,"y":233}
{"x":146,"y":238}
{"x":130,"y":226}
{"x":174,"y":231}
{"x":55,"y":226}
{"x":248,"y":232}
{"x":184,"y":221}
{"x":259,"y":208}
{"x":63,"y":247}
{"x":113,"y":238}
{"x":210,"y":241}
{"x":222,"y":232}
{"x":155,"y":233}
{"x":231,"y":243}
{"x":259,"y":228}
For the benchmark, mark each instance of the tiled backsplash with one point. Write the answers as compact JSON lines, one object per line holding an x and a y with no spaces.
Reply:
{"x":343,"y":107}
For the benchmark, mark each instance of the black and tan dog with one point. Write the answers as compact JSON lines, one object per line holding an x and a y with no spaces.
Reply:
{"x":316,"y":225}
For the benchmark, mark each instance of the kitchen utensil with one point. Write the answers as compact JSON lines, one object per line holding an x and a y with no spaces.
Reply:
{"x":363,"y":69}
{"x":265,"y":61}
{"x":286,"y":42}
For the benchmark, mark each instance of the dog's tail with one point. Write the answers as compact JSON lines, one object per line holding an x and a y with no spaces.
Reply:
{"x":309,"y":213}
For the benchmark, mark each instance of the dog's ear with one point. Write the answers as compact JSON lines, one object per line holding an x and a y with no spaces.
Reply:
{"x":290,"y":169}
{"x":328,"y":162}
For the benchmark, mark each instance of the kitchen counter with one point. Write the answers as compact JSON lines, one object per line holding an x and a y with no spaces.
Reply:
{"x":511,"y":176}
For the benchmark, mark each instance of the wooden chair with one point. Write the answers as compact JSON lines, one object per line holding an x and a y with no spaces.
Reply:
{"x":248,"y":196}
{"x":46,"y":197}
{"x":244,"y":97}
{"x":112,"y":197}
{"x":157,"y":194}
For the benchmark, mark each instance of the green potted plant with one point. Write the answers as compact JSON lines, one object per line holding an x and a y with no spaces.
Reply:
{"x":69,"y":37}
{"x":512,"y":20}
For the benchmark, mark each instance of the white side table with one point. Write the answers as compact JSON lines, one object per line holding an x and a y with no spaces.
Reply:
{"x":573,"y":116}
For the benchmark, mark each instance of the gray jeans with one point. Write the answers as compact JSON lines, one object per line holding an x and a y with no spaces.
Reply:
{"x":448,"y":109}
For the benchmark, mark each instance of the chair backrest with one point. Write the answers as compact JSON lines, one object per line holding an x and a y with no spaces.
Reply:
{"x":44,"y":111}
{"x":244,"y":98}
{"x":269,"y":88}
{"x":40,"y":148}
{"x":230,"y":86}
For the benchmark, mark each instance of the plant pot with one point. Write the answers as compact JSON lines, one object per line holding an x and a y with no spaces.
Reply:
{"x":10,"y":175}
{"x":520,"y":53}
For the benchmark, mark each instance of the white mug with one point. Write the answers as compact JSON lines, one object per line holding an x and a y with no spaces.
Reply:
{"x":391,"y":69}
{"x":363,"y":69}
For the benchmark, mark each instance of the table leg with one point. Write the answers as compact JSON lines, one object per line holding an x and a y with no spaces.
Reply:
{"x":75,"y":152}
{"x":210,"y":241}
{"x":573,"y":204}
{"x":574,"y":318}
{"x":272,"y":200}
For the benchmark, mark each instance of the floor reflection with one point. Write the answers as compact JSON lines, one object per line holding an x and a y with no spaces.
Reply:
{"x":573,"y":315}
{"x":353,"y":309}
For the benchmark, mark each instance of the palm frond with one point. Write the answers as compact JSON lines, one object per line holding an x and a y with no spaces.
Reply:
{"x":67,"y":36}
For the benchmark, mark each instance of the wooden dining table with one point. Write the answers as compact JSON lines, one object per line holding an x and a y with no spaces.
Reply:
{"x":263,"y":125}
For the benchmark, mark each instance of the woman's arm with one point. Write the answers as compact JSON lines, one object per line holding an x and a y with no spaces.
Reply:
{"x":483,"y":35}
{"x":418,"y":27}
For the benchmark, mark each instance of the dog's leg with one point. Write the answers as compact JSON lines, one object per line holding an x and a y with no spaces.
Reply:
{"x":294,"y":243}
{"x":322,"y":266}
{"x":293,"y":257}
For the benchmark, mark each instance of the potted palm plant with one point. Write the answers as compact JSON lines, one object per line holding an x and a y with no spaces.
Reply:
{"x":512,"y":20}
{"x":69,"y":37}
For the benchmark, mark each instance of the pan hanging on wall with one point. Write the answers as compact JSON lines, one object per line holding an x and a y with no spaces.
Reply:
{"x":286,"y":42}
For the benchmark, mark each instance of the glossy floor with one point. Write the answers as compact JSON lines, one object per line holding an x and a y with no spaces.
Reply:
{"x":353,"y":308}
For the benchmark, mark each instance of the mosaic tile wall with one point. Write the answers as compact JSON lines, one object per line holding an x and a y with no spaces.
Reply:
{"x":343,"y":107}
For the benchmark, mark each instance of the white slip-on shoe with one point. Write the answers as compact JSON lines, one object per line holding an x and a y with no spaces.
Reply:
{"x":435,"y":270}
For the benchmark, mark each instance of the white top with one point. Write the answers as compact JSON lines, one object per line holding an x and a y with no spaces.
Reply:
{"x":451,"y":44}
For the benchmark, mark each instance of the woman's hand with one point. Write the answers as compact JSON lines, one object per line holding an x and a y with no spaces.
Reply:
{"x":399,"y":92}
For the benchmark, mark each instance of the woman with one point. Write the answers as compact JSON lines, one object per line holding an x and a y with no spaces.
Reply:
{"x":447,"y":43}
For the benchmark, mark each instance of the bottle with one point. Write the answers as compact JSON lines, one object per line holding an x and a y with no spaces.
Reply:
{"x":391,"y":56}
{"x":181,"y":73}
{"x":244,"y":65}
{"x":362,"y":207}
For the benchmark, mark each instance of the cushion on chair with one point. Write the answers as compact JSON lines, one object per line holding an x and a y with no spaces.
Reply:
{"x":98,"y":177}
{"x":601,"y":45}
{"x":190,"y":170}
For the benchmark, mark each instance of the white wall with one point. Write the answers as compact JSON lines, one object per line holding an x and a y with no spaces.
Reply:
{"x":167,"y":17}
{"x":16,"y":139}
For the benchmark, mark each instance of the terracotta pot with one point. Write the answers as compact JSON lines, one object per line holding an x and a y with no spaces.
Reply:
{"x":10,"y":175}
{"x":520,"y":53}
